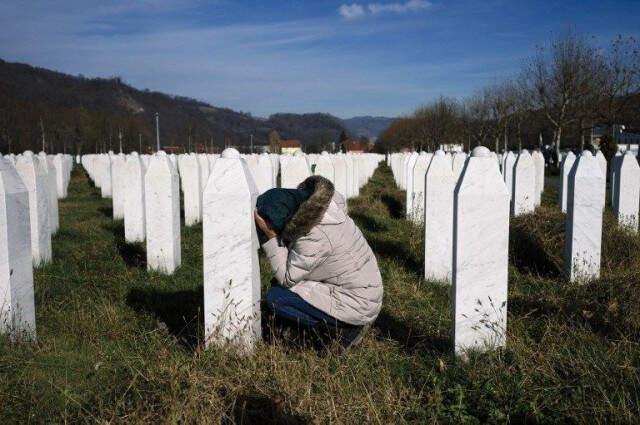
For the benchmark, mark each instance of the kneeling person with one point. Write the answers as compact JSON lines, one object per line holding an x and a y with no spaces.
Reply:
{"x":326,"y":273}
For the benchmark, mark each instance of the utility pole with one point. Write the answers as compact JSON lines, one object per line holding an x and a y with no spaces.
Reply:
{"x":43,"y":138}
{"x":157,"y":132}
{"x":120,"y":138}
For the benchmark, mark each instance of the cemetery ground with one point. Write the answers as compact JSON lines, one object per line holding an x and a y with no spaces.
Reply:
{"x":119,"y":344}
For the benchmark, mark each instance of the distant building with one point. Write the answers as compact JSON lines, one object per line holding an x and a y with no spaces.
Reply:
{"x":290,"y":146}
{"x":452,"y":147}
{"x":621,"y":135}
{"x":355,"y":146}
{"x":173,"y":149}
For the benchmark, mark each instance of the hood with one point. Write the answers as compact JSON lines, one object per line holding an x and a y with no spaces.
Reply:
{"x":312,"y":211}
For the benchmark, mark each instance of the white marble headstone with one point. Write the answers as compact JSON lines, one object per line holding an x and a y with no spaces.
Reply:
{"x":583,"y":226}
{"x":35,"y":181}
{"x":440,"y":182}
{"x":524,"y":185}
{"x":324,"y":167}
{"x":480,"y":256}
{"x":191,"y":188}
{"x":162,"y":215}
{"x":419,"y":172}
{"x":17,"y":309}
{"x":118,"y":184}
{"x":565,"y":169}
{"x":230,"y":255}
{"x":134,"y":205}
{"x":627,"y":191}
{"x":294,"y":171}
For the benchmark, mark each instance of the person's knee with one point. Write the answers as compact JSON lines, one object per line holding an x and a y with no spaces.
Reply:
{"x":275,"y":296}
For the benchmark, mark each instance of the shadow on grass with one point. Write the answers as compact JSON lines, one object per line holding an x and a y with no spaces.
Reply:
{"x":258,"y":409}
{"x":529,"y":256}
{"x":394,"y":205}
{"x":368,"y":223}
{"x":106,"y":212}
{"x":397,"y":250}
{"x":180,"y":311}
{"x":411,"y":338}
{"x":133,"y":254}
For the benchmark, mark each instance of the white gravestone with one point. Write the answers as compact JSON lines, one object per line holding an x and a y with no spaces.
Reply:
{"x":230,"y":255}
{"x":355,"y":183}
{"x":118,"y":184}
{"x":61,"y":176}
{"x":340,"y":172}
{"x":324,"y":167}
{"x":162,"y":215}
{"x":439,"y":184}
{"x":17,"y":309}
{"x":263,"y":173}
{"x":565,"y":169}
{"x":583,"y":234}
{"x":538,"y":161}
{"x":105,"y":176}
{"x":524,"y":185}
{"x":52,"y":192}
{"x":134,"y":210}
{"x":191,"y":188}
{"x":480,"y":255}
{"x":419,"y":172}
{"x":203,"y":161}
{"x":508,"y":162}
{"x":35,"y":181}
{"x":409,"y":184}
{"x":349,"y":188}
{"x":627,"y":187}
{"x":459,"y":158}
{"x":294,"y":171}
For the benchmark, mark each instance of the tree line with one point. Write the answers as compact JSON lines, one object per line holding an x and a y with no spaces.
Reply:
{"x":560,"y":93}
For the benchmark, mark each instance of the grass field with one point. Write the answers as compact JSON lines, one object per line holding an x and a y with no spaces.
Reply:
{"x":118,"y":344}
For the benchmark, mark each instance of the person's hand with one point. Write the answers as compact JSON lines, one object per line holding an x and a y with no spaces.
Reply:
{"x":264,"y":226}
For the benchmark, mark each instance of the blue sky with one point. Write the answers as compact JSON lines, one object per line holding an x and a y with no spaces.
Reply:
{"x":382,"y":57}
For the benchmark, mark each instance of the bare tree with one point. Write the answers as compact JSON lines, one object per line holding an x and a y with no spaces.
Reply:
{"x":622,"y":79}
{"x":563,"y":81}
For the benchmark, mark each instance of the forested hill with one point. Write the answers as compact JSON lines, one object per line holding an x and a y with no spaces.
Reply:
{"x":371,"y":127}
{"x":82,"y":114}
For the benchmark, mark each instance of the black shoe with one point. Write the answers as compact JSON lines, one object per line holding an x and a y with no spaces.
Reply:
{"x":351,"y":337}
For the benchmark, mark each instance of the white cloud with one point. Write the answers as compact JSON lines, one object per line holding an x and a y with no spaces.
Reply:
{"x":351,"y":11}
{"x":409,"y":6}
{"x":355,"y":10}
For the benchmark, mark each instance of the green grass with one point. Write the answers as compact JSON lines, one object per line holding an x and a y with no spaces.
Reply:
{"x":118,"y":344}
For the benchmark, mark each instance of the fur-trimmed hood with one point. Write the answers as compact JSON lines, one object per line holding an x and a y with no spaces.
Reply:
{"x":311,"y":212}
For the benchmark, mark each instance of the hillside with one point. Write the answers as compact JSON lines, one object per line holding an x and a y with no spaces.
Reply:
{"x":82,"y":115}
{"x":371,"y":127}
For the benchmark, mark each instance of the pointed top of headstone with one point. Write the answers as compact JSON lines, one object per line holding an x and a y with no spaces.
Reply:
{"x":298,"y":153}
{"x":230,"y":153}
{"x":571,"y":154}
{"x":439,"y":152}
{"x":423,"y":153}
{"x":324,"y":153}
{"x":480,"y":152}
{"x":27,"y":153}
{"x":161,"y":153}
{"x":586,"y":154}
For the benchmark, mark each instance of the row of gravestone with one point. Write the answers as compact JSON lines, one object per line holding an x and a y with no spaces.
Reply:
{"x":30,"y":186}
{"x":225,"y":203}
{"x":466,"y":223}
{"x":624,"y":181}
